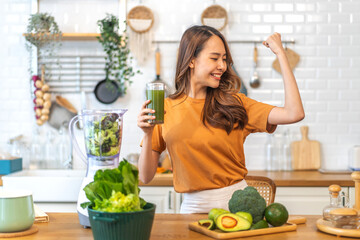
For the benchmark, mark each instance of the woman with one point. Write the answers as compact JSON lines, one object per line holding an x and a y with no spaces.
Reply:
{"x":207,"y":121}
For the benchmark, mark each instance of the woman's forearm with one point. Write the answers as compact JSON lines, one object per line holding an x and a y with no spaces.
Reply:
{"x":148,"y":160}
{"x":293,"y":103}
{"x":293,"y":110}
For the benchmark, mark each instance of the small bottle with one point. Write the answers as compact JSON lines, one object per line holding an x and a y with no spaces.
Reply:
{"x":270,"y":153}
{"x":287,"y":151}
{"x":335,"y":201}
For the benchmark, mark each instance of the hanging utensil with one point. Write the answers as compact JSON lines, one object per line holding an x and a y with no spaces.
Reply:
{"x":61,"y":112}
{"x":158,"y":78}
{"x":255,"y":79}
{"x":107,"y":91}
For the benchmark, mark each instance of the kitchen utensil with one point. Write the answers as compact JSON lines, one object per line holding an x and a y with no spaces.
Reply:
{"x":140,"y":20}
{"x":66,"y":104}
{"x":214,"y":16}
{"x":255,"y":79}
{"x":17,"y":210}
{"x":124,"y":225}
{"x":102,"y":150}
{"x":158,"y":79}
{"x":107,"y":91}
{"x":60,"y":115}
{"x":291,"y":55}
{"x":242,"y":87}
{"x":305,"y":153}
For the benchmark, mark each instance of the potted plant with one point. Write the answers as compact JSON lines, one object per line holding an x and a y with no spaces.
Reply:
{"x":43,"y":33}
{"x":118,"y":60}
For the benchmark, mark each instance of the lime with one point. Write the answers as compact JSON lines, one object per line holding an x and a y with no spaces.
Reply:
{"x":245,"y":215}
{"x":276,"y":214}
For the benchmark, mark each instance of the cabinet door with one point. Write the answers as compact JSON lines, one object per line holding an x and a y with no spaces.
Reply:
{"x":163,"y":197}
{"x":304,"y":200}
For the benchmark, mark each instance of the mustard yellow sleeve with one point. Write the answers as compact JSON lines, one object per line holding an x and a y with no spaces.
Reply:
{"x":258,"y":114}
{"x":158,"y":143}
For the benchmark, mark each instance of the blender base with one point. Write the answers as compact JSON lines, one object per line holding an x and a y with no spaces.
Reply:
{"x":84,"y":220}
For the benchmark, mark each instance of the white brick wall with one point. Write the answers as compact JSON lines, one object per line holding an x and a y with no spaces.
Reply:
{"x":327,"y":35}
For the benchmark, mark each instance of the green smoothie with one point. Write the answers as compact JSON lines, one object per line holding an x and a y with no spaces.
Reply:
{"x":157,"y":104}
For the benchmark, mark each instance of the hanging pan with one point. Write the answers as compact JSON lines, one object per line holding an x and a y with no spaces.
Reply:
{"x":107,"y":91}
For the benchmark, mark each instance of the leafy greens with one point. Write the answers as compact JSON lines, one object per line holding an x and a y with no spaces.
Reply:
{"x":115,"y":190}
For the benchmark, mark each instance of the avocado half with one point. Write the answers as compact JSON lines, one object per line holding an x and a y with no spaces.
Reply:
{"x":230,"y":222}
{"x":215,"y":212}
{"x":208,"y":223}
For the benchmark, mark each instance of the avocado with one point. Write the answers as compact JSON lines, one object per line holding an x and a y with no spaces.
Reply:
{"x":230,"y":222}
{"x":245,"y":215}
{"x":215,"y":212}
{"x":260,"y":224}
{"x":208,"y":223}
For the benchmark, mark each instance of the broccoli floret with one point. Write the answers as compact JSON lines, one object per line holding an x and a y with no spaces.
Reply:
{"x":248,"y":200}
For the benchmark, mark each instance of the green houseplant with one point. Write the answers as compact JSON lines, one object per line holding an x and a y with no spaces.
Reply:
{"x":118,"y":60}
{"x":44,"y":34}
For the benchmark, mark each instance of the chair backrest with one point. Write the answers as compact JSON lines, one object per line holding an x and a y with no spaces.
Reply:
{"x":264,"y":185}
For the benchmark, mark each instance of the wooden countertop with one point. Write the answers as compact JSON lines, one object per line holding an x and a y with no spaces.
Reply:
{"x":166,"y":226}
{"x":281,"y":179}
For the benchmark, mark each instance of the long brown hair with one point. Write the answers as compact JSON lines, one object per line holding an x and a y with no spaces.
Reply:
{"x":222,"y":108}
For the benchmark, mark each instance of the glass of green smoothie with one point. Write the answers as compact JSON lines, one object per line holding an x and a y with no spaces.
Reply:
{"x":156,"y":93}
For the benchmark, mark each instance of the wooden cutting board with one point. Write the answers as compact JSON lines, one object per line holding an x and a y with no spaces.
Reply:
{"x":218,"y":234}
{"x":305,"y":153}
{"x":292,"y":57}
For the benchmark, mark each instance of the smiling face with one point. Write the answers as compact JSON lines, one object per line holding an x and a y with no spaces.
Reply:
{"x":208,"y":66}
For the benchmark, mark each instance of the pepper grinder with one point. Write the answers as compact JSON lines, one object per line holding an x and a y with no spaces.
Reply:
{"x":334,"y":201}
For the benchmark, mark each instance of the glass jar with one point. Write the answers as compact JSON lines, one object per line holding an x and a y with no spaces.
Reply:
{"x":335,"y":201}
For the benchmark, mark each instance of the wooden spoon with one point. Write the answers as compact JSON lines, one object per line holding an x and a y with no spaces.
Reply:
{"x":66,"y":104}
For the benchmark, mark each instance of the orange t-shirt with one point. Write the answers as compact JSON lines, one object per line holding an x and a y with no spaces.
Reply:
{"x":205,"y":157}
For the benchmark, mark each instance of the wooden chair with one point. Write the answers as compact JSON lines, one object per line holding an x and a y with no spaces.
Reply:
{"x":264,"y":185}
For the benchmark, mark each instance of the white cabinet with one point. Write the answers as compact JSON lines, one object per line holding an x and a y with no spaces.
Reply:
{"x":305,"y":200}
{"x":351,"y":196}
{"x":165,"y":198}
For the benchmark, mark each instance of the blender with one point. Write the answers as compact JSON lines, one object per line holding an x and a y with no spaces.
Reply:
{"x":102,"y":134}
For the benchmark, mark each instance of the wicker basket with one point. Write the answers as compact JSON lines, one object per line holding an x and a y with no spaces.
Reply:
{"x":140,"y":19}
{"x":215,"y":16}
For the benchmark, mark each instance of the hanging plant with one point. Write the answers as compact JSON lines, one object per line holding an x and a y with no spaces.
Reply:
{"x":44,"y":34}
{"x":118,"y":60}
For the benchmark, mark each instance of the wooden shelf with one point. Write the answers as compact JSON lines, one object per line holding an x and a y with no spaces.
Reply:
{"x":78,"y":36}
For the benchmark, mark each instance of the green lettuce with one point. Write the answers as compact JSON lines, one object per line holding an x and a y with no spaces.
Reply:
{"x":115,"y":190}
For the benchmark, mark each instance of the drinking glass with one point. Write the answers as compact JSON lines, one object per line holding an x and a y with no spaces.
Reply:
{"x":155,"y":92}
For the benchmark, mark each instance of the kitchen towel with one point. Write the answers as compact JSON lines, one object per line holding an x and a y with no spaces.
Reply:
{"x":40,"y":215}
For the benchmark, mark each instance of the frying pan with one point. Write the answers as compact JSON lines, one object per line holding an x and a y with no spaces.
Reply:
{"x":107,"y":91}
